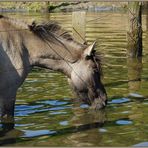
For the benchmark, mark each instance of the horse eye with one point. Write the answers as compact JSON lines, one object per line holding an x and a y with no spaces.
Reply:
{"x":88,"y":57}
{"x":95,"y":69}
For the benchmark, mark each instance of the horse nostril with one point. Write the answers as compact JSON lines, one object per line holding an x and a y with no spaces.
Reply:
{"x":98,"y":103}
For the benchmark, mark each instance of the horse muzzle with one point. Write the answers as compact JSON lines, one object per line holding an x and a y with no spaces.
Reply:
{"x":99,"y":103}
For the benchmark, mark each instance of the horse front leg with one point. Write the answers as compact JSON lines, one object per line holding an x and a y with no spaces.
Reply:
{"x":7,"y":112}
{"x":7,"y":109}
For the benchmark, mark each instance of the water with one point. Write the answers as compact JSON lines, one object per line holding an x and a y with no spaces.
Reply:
{"x":46,"y":113}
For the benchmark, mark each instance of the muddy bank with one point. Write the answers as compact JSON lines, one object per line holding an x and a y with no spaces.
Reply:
{"x":23,"y":6}
{"x":57,"y":6}
{"x":90,"y":6}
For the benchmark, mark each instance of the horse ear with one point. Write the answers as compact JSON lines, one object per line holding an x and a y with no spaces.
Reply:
{"x":89,"y":50}
{"x":32,"y":26}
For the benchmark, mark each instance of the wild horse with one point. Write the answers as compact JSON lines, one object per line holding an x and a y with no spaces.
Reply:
{"x":46,"y":45}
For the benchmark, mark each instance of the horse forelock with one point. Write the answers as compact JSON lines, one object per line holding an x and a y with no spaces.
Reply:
{"x":52,"y":32}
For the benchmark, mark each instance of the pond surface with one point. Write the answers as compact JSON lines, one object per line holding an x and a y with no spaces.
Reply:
{"x":46,"y":112}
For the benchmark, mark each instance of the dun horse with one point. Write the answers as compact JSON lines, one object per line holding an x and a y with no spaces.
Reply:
{"x":48,"y":46}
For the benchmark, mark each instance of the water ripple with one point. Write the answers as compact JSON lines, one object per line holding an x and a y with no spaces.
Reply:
{"x":57,"y":113}
{"x":27,"y":107}
{"x":24,"y":125}
{"x":136,"y":95}
{"x":63,"y":123}
{"x":54,"y":102}
{"x":102,"y":130}
{"x":124,"y":122}
{"x":84,"y":106}
{"x":59,"y":108}
{"x":31,"y":133}
{"x":119,"y":101}
{"x":56,"y":105}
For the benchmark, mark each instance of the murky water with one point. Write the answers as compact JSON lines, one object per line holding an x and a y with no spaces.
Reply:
{"x":47,"y":114}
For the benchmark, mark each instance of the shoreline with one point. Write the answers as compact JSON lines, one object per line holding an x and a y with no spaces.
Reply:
{"x":61,"y":7}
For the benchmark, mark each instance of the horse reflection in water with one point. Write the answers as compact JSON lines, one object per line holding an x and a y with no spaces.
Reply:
{"x":83,"y":127}
{"x":46,"y":45}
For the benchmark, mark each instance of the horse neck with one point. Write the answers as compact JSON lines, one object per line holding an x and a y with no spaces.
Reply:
{"x":53,"y":56}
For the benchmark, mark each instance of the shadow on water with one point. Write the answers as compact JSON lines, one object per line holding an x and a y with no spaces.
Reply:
{"x":88,"y":120}
{"x":9,"y":135}
{"x":97,"y":119}
{"x":7,"y":132}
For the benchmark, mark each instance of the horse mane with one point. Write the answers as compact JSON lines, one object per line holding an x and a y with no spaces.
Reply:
{"x":50,"y":31}
{"x":50,"y":27}
{"x":53,"y":32}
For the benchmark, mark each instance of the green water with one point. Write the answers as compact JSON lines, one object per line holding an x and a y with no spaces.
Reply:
{"x":47,"y":114}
